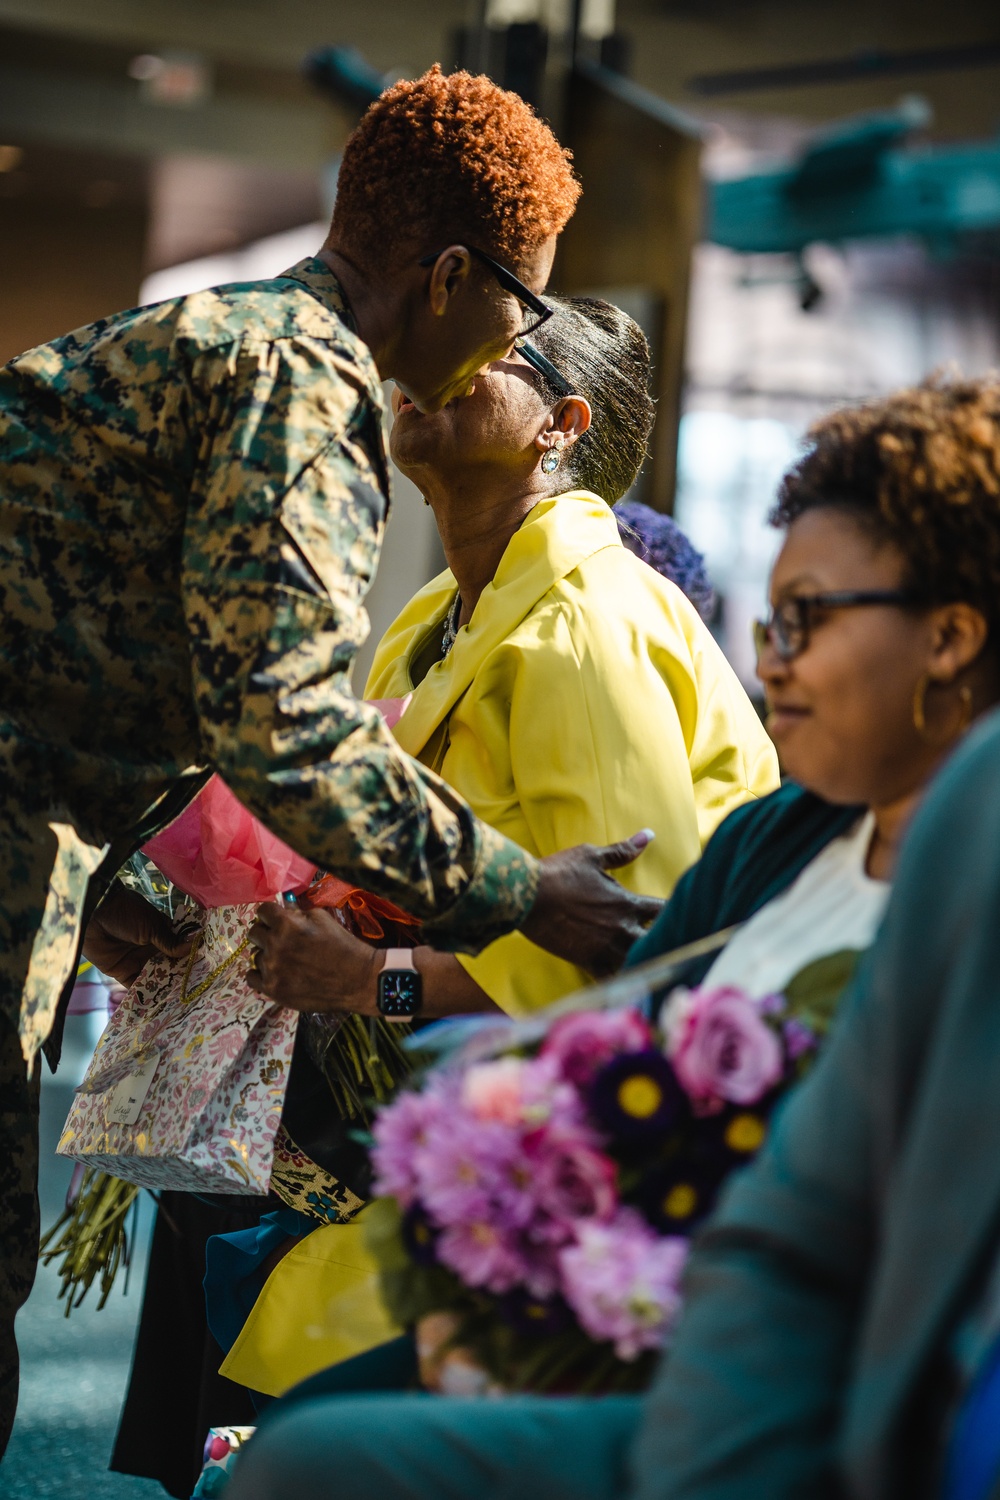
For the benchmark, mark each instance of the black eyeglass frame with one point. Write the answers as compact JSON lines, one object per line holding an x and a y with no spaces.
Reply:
{"x":775,"y":631}
{"x":545,"y":368}
{"x":510,"y":283}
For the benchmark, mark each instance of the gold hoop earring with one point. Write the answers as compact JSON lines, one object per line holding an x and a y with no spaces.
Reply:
{"x":920,"y":716}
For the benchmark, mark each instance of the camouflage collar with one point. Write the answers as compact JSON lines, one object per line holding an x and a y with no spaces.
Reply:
{"x":315,"y":275}
{"x":320,"y":282}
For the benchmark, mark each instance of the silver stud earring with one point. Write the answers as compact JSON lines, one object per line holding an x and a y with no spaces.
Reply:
{"x":550,"y":462}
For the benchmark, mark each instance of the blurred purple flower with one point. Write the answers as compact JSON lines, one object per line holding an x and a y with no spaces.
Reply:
{"x":482,"y":1255}
{"x":581,"y":1044}
{"x":659,"y":541}
{"x":799,"y":1038}
{"x":419,"y":1236}
{"x":399,"y":1132}
{"x":621,"y":1279}
{"x":535,"y":1315}
{"x":636,"y":1096}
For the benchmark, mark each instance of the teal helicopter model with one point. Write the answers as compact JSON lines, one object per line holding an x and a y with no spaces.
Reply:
{"x":860,"y":179}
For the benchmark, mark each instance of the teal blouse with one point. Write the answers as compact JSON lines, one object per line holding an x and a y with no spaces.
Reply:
{"x":754,"y":855}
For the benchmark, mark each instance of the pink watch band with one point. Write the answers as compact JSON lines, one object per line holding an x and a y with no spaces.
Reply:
{"x":399,"y":958}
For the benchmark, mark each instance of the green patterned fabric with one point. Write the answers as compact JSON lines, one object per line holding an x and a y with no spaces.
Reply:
{"x":192,"y":502}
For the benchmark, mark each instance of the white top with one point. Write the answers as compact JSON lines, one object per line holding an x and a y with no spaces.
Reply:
{"x":832,"y":905}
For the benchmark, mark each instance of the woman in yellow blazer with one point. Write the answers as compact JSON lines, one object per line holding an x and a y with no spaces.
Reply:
{"x":560,"y":684}
{"x":585,"y":698}
{"x":563,"y":687}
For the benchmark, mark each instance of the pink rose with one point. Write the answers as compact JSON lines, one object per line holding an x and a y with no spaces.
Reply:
{"x":720,"y":1046}
{"x":514,"y":1091}
{"x":581,"y":1043}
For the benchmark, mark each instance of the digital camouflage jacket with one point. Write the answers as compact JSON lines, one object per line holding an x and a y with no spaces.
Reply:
{"x":192,"y":501}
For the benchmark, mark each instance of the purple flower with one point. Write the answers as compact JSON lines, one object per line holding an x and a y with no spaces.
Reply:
{"x":799,"y":1038}
{"x":636,"y":1096}
{"x":400,"y":1130}
{"x":419,"y":1236}
{"x":677,"y":1198}
{"x":720,"y":1046}
{"x":622,"y":1282}
{"x":462,"y":1167}
{"x":482,"y":1255}
{"x":581,"y":1044}
{"x":534,"y":1315}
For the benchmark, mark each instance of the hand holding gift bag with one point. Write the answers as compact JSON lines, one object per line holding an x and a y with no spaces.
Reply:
{"x":194,"y":1042}
{"x":186,"y":1087}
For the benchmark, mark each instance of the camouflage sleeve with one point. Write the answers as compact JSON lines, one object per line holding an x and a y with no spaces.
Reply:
{"x":282,"y":537}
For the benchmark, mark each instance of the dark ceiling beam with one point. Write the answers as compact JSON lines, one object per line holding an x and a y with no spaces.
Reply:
{"x":92,"y":112}
{"x":392,"y":34}
{"x":868,"y":64}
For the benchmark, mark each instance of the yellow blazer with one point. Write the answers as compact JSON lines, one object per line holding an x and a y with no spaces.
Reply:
{"x":585,"y":700}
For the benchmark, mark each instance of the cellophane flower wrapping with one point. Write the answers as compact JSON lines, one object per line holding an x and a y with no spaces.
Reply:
{"x":221,"y":855}
{"x":545,"y":1195}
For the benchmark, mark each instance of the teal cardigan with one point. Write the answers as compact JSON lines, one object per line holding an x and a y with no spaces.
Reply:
{"x":754,"y":855}
{"x":821,"y":1297}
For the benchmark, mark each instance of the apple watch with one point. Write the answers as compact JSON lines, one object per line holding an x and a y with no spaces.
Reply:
{"x":400,"y":986}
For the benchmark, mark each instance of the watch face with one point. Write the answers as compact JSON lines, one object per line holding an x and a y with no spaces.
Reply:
{"x":400,"y":992}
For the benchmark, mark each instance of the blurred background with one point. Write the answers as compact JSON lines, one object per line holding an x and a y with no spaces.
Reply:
{"x":799,"y":201}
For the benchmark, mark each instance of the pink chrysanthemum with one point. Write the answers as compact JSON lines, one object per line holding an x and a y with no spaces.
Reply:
{"x":622,"y":1281}
{"x":482,"y":1255}
{"x":463,"y":1167}
{"x":399,"y":1133}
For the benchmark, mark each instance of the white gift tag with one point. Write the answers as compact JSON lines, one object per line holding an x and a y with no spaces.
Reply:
{"x":130,"y":1095}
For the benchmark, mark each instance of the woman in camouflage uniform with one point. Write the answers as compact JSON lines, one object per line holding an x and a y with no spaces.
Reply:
{"x":192,"y":501}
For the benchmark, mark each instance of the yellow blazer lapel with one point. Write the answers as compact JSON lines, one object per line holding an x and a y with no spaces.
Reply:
{"x":557,"y":535}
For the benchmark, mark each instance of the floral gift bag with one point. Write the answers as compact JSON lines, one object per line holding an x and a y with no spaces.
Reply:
{"x":186,"y":1087}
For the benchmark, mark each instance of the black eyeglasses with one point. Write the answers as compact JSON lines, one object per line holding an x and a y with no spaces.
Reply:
{"x":545,"y":367}
{"x":790,"y":623}
{"x":510,"y":283}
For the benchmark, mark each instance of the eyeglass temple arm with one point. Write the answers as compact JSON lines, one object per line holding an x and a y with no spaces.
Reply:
{"x":545,"y":367}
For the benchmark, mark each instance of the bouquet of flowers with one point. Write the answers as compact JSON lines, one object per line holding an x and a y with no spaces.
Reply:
{"x":539,"y":1201}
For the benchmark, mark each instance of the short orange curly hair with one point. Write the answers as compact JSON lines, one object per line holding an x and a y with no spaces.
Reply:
{"x":921,"y":470}
{"x":449,"y":158}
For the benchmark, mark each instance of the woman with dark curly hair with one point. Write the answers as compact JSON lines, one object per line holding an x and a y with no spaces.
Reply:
{"x":881,"y":647}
